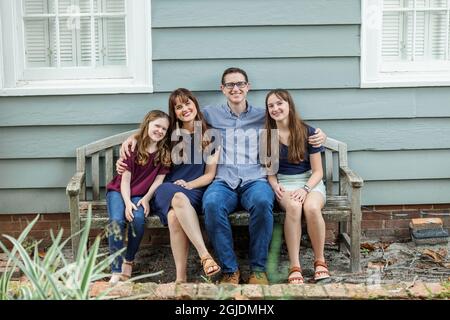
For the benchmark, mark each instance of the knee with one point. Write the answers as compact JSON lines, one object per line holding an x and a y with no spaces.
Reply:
{"x":212,"y":204}
{"x":173,"y":222}
{"x":263,"y":203}
{"x":312,"y":209}
{"x":294,"y":210}
{"x":179,"y":200}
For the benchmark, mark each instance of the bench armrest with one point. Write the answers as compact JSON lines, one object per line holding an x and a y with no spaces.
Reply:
{"x":74,"y":185}
{"x":353,"y":179}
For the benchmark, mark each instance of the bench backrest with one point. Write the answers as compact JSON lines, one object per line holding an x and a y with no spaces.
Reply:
{"x":98,"y":158}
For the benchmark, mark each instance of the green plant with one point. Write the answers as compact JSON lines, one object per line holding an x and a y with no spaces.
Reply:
{"x":53,"y":277}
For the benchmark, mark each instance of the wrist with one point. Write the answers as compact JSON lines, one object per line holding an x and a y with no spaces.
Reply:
{"x":306,"y":188}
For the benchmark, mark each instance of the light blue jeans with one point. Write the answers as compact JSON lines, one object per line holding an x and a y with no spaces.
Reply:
{"x":116,"y":226}
{"x":219,"y":201}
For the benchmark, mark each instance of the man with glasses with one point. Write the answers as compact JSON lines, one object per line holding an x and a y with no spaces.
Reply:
{"x":240,"y":180}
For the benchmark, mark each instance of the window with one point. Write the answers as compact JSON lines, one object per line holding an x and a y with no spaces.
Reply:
{"x":75,"y":46}
{"x":405,"y":43}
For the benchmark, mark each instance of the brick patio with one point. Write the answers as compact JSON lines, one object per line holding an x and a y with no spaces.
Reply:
{"x":207,"y":291}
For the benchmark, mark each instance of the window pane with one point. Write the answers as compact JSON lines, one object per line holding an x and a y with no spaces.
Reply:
{"x":37,"y":47}
{"x":114,"y":41}
{"x":37,"y":6}
{"x":392,"y":4}
{"x":65,"y":6}
{"x":114,"y":6}
{"x":85,"y":42}
{"x":438,"y":3}
{"x":85,"y":6}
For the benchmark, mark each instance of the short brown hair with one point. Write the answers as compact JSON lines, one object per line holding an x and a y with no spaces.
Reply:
{"x":234,"y":70}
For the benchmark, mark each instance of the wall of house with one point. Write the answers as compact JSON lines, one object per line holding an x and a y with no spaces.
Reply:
{"x":399,"y":139}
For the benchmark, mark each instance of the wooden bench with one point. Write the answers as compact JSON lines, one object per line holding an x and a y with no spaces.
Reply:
{"x":96,"y":165}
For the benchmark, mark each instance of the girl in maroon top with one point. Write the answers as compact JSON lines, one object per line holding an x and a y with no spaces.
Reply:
{"x":128,"y":195}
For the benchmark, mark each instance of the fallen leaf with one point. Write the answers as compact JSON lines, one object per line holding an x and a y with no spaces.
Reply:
{"x":436,"y":256}
{"x":367,"y":246}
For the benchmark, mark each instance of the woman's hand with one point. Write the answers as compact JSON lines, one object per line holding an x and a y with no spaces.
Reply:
{"x":127,"y":145}
{"x":299,"y":195}
{"x":121,"y":166}
{"x":129,"y":207}
{"x":279,"y":190}
{"x":183,"y":184}
{"x":318,"y":138}
{"x":145,"y":203}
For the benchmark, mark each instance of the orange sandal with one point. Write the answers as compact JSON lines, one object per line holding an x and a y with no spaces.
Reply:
{"x":322,"y":274}
{"x":295,"y":280}
{"x":207,"y":263}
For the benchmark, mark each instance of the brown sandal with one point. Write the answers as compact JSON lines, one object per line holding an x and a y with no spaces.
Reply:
{"x":295,"y":280}
{"x":207,"y":263}
{"x":322,"y":274}
{"x":126,"y":276}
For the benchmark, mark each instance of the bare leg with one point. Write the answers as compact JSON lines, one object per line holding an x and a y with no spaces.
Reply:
{"x":292,"y":231}
{"x":312,"y":209}
{"x":187,"y":217}
{"x":179,"y":243}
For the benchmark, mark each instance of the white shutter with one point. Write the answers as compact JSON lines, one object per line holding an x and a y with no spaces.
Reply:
{"x":390,"y":47}
{"x":114,"y":6}
{"x":114,"y":41}
{"x":438,"y":35}
{"x":85,"y":42}
{"x":36,"y":34}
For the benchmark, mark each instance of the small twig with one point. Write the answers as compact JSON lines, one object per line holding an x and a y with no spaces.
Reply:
{"x":413,"y":282}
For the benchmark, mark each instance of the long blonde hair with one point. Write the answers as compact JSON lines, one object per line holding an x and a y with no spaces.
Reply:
{"x":143,"y":141}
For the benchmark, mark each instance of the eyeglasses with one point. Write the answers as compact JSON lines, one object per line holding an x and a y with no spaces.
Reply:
{"x":230,"y":85}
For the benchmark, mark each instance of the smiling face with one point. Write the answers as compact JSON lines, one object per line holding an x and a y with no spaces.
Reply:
{"x":185,"y":109}
{"x":278,"y":108}
{"x":157,"y":129}
{"x":235,"y":95}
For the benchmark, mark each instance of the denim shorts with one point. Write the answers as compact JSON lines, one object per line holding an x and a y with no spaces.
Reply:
{"x":293,"y":182}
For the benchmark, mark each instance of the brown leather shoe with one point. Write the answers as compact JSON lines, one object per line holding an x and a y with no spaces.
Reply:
{"x":230,"y":278}
{"x":258,"y":277}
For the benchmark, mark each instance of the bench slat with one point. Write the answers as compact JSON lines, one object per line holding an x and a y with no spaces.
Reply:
{"x":109,"y":165}
{"x":95,"y":164}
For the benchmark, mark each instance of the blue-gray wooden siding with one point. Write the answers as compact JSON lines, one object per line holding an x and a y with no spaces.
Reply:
{"x":398,"y":138}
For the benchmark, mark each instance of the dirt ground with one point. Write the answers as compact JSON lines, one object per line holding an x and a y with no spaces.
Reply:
{"x":381,"y":263}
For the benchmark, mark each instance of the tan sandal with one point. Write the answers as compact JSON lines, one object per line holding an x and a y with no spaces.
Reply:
{"x":207,"y":263}
{"x":322,"y":274}
{"x":126,"y":276}
{"x":297,"y":279}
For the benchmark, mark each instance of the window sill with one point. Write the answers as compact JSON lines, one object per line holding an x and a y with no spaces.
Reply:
{"x":407,"y":80}
{"x":76,"y":87}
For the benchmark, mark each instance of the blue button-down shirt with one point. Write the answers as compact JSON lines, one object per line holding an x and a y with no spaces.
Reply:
{"x":239,"y":162}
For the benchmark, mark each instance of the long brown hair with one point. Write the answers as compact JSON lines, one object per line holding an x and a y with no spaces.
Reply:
{"x":143,"y":141}
{"x":183,"y":95}
{"x":298,"y":130}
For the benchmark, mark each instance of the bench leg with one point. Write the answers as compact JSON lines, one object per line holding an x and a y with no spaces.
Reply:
{"x":355,"y":232}
{"x":75,"y":224}
{"x":342,"y":230}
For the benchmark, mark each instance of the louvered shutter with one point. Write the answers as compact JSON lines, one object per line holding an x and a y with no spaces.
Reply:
{"x":114,"y":34}
{"x":36,"y":34}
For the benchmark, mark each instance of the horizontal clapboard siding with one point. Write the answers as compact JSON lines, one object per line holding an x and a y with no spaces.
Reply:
{"x":317,"y":104}
{"x":289,"y":73}
{"x":387,"y":134}
{"x":370,"y":165}
{"x":255,"y":42}
{"x":204,"y":13}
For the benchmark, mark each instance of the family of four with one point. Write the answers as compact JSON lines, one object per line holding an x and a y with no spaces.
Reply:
{"x":154,"y":178}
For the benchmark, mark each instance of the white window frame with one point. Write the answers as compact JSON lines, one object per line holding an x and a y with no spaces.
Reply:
{"x":138,"y":78}
{"x":378,"y":74}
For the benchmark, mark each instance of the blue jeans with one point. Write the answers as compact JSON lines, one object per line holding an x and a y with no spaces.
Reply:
{"x":219,"y":201}
{"x":117,"y":221}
